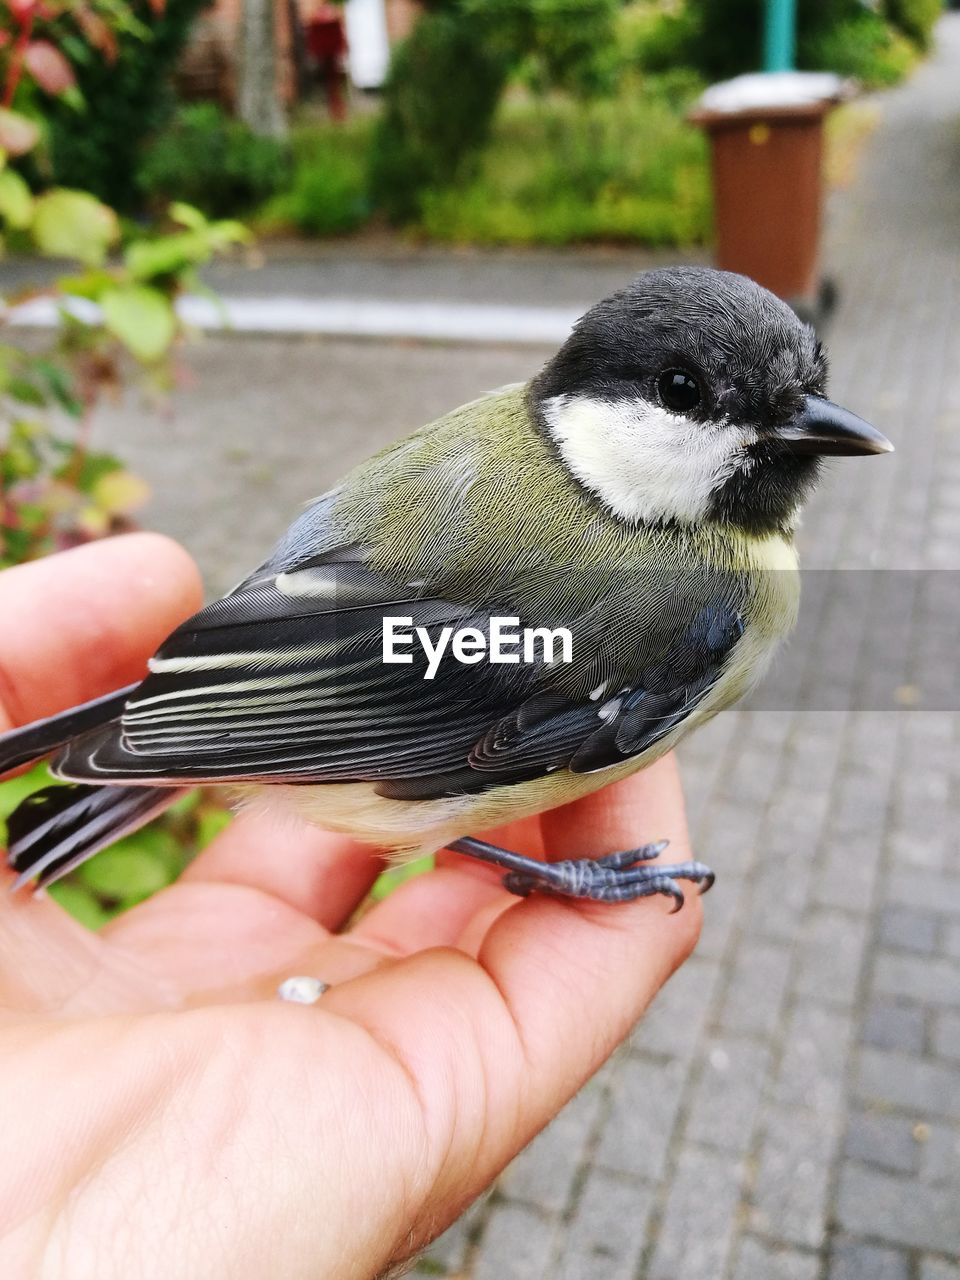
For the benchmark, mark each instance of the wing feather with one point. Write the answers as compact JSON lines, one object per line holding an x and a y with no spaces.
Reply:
{"x":284,"y":680}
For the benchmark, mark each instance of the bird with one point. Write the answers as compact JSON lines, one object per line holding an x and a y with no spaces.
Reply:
{"x":639,"y":496}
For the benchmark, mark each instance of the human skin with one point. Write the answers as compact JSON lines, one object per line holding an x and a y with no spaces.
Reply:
{"x":164,"y":1114}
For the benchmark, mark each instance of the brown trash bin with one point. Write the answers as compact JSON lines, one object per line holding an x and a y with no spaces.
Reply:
{"x":768,"y":193}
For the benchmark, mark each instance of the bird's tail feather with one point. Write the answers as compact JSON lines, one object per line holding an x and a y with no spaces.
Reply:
{"x":39,"y":739}
{"x":54,"y":830}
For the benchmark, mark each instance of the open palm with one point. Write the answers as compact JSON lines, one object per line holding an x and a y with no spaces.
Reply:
{"x":164,"y":1114}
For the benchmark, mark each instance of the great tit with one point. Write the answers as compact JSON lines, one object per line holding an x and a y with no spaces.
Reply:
{"x":639,"y":494}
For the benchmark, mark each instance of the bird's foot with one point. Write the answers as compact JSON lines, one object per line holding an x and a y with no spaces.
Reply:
{"x":615,"y":877}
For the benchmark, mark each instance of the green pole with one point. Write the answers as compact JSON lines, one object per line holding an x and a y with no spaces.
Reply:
{"x":780,"y":35}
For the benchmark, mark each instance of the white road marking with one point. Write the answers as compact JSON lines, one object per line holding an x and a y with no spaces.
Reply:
{"x":346,"y":317}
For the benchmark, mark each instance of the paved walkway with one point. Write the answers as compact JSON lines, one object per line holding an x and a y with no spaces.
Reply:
{"x":790,"y":1108}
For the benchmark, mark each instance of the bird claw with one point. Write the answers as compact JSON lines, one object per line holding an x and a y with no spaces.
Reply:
{"x":623,"y":876}
{"x":612,"y":878}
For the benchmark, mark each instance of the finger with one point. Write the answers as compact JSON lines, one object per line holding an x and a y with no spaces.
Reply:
{"x":430,"y":910}
{"x":440,"y":908}
{"x":324,"y":875}
{"x":642,"y":809}
{"x":113,"y":603}
{"x":257,"y":902}
{"x":51,"y":963}
{"x":597,"y":967}
{"x":558,"y":985}
{"x":207,"y":938}
{"x":227,"y":944}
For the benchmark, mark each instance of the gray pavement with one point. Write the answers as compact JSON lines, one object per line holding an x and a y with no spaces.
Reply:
{"x":408,"y":273}
{"x":790,"y":1107}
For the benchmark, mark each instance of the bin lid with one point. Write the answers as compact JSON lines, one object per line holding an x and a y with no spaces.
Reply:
{"x":781,"y":91}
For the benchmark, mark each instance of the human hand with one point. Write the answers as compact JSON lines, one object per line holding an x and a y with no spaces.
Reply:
{"x":163,"y":1113}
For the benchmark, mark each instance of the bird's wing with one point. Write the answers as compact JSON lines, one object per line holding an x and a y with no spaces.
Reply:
{"x":285,"y":680}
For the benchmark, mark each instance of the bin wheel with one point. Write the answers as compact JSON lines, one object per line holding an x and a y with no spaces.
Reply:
{"x":828,"y":296}
{"x":816,"y":311}
{"x":808,"y":310}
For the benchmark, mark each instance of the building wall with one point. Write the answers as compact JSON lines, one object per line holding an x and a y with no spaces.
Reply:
{"x":207,"y":67}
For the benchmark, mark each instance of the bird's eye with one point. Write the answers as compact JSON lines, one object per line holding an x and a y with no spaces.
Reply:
{"x":678,"y":390}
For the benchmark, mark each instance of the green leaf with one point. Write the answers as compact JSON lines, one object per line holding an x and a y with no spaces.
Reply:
{"x":73,"y":224}
{"x":159,"y":842}
{"x":167,"y":256}
{"x":187,"y":216}
{"x":10,"y":357}
{"x":228,"y":232}
{"x":18,"y":134}
{"x":210,"y":824}
{"x":186,"y":805}
{"x":120,"y":492}
{"x":394,"y":877}
{"x":88,"y":284}
{"x":60,"y":384}
{"x":16,"y":202}
{"x":92,"y":467}
{"x":142,"y":318}
{"x":174,"y":254}
{"x":25,"y":392}
{"x":126,"y":873}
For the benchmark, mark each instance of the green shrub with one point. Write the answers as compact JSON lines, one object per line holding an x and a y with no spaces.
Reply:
{"x":439,"y":101}
{"x":915,"y":18}
{"x":657,"y":39}
{"x":97,"y":148}
{"x":328,"y":189}
{"x":832,"y":35}
{"x":863,"y":46}
{"x":446,"y":81}
{"x":568,"y":44}
{"x":213,"y":162}
{"x":563,"y":171}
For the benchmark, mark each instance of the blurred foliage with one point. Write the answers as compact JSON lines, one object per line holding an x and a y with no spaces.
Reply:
{"x":569,"y":45}
{"x":428,"y":134}
{"x":328,"y":193}
{"x":657,"y":35}
{"x":555,"y":170}
{"x":863,"y":46}
{"x":111,"y":316}
{"x":55,"y":491}
{"x":727,"y":35}
{"x":394,"y":877}
{"x":96,"y":140}
{"x":428,"y":138}
{"x":722,"y":38}
{"x":446,"y":162}
{"x":622,"y":169}
{"x":214,"y":162}
{"x":915,"y":18}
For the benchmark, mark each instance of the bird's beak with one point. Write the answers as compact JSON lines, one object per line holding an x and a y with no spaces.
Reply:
{"x":823,"y":427}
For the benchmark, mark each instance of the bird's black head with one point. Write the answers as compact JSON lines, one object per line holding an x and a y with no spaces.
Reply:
{"x":695,"y":395}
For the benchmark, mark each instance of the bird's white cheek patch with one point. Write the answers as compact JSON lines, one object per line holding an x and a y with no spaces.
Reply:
{"x":641,"y":460}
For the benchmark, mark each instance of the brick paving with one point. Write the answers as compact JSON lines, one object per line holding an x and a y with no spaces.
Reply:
{"x":790,"y":1107}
